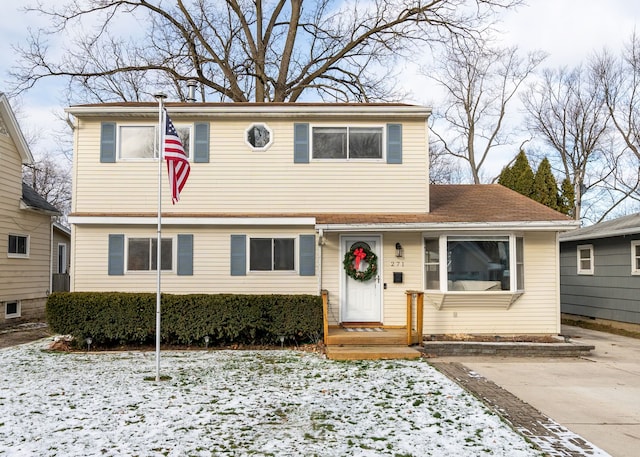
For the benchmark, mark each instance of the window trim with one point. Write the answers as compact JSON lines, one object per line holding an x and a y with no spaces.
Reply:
{"x":634,"y":258}
{"x":296,"y":254}
{"x":256,"y":148}
{"x":19,"y":255}
{"x":64,"y":258}
{"x":383,"y":141}
{"x":178,"y":125}
{"x":174,"y":253}
{"x":591,"y":269}
{"x":443,"y":242}
{"x":18,"y":312}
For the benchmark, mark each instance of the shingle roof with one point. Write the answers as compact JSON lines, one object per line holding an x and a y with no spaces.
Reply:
{"x":35,"y":201}
{"x":463,"y":203}
{"x":626,"y":225}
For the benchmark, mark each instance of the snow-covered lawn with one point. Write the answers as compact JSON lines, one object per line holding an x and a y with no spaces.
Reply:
{"x":280,"y":403}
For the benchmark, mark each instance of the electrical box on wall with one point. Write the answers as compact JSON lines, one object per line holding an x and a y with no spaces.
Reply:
{"x":397,"y":277}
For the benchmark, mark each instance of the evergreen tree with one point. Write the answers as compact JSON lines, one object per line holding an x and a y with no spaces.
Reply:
{"x":519,"y":177}
{"x":567,"y":198}
{"x":545,"y":187}
{"x":506,"y":177}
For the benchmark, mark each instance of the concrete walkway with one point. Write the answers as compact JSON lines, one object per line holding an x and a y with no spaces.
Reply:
{"x":596,"y":397}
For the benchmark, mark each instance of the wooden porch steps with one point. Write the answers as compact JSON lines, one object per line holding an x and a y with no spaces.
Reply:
{"x":374,"y":352}
{"x":368,"y":344}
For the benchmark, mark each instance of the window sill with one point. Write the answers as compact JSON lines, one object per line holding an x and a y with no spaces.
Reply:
{"x":472,"y":300}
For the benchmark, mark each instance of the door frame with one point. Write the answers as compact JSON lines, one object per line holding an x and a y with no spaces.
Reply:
{"x":343,"y":276}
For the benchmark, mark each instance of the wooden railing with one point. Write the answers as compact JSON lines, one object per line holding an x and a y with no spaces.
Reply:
{"x":414,"y":338}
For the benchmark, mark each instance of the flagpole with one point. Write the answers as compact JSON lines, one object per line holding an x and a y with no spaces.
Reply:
{"x":160,"y":97}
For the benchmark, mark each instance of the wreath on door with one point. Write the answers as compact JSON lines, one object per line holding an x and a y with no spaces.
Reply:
{"x":354,"y":257}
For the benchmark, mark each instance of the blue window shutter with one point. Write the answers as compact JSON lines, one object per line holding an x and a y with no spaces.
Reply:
{"x":201,"y":142}
{"x":185,"y":255}
{"x":116,"y":255}
{"x":108,"y":142}
{"x":394,"y":143}
{"x":307,"y":255}
{"x":300,"y":143}
{"x":238,"y":255}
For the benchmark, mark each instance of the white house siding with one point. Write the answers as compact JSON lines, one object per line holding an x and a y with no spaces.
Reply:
{"x":535,"y":312}
{"x":211,"y":263}
{"x":24,"y":279}
{"x":238,"y":179}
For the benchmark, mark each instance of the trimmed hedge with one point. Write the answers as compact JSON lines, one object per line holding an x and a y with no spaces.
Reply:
{"x":114,"y":318}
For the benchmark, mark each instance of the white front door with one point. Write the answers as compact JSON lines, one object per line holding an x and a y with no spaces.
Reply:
{"x":361,"y":300}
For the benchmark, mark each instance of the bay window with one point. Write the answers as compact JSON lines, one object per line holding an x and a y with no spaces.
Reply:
{"x":474,"y":263}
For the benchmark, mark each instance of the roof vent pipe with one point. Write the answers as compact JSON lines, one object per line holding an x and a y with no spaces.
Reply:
{"x":192,"y":84}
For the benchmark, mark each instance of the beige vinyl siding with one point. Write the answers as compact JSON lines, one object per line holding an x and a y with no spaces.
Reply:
{"x":27,"y":277}
{"x":211,"y":263}
{"x":535,"y":312}
{"x":239,"y":179}
{"x":394,"y":297}
{"x":21,"y":278}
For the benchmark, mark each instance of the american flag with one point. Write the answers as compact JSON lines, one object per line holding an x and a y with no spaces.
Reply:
{"x":177,"y":160}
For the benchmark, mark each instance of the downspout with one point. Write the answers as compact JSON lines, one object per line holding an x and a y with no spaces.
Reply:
{"x":50,"y":257}
{"x":320,"y":245}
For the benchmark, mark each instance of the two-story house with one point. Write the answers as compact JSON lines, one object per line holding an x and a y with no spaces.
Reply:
{"x":304,"y":198}
{"x":26,"y":230}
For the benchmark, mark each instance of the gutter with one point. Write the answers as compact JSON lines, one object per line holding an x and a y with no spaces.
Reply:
{"x":451,"y":226}
{"x":597,"y":236}
{"x":230,"y":110}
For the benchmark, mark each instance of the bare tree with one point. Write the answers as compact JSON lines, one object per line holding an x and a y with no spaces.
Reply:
{"x":443,"y":168}
{"x":479,"y":82}
{"x":241,"y":50}
{"x":566,"y":109}
{"x":620,"y":84}
{"x":52,"y":180}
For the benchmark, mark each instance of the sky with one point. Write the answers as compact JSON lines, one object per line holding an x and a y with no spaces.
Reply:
{"x":569,"y":30}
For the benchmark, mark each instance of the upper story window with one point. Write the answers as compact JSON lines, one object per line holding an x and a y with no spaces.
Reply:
{"x":18,"y":246}
{"x":259,"y":136}
{"x":347,"y":142}
{"x":635,"y":257}
{"x":474,"y":263}
{"x":139,"y":141}
{"x":585,"y":259}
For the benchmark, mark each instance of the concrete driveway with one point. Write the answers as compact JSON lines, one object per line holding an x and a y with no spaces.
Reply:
{"x":596,"y":397}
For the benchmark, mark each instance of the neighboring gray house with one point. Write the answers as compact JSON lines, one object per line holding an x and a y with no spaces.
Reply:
{"x":600,"y":270}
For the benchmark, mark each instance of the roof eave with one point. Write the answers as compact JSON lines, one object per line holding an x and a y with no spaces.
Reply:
{"x":595,"y":236}
{"x":14,"y":130}
{"x":27,"y":207}
{"x":284,"y":110}
{"x":553,"y":226}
